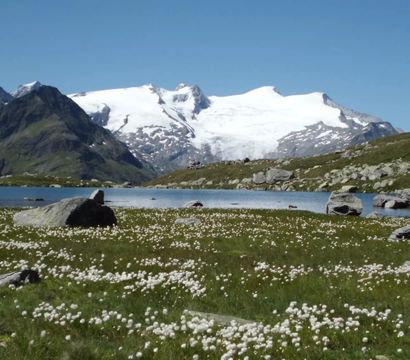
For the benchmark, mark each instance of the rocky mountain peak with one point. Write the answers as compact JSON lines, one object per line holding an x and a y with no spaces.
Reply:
{"x":26,"y":88}
{"x":186,"y":92}
{"x":180,"y":86}
{"x":45,"y":132}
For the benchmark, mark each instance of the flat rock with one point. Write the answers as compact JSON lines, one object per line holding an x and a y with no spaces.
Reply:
{"x":19,"y":278}
{"x":344,"y":204}
{"x":67,"y":212}
{"x":219,"y":319}
{"x":188,"y":221}
{"x":194,"y":203}
{"x":400,"y":234}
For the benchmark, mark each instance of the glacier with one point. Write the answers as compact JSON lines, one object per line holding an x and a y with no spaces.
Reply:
{"x":170,"y":128}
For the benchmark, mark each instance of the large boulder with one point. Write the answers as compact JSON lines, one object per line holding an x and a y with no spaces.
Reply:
{"x":277,"y":175}
{"x":344,"y":204}
{"x":396,"y":204}
{"x":404,"y":194}
{"x":400,"y":234}
{"x":67,"y":212}
{"x":382,"y":199}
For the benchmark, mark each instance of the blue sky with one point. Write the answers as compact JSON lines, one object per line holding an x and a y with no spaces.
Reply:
{"x":357,"y":51}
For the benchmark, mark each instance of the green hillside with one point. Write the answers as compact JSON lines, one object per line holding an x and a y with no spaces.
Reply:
{"x":46,"y":133}
{"x":380,"y":165}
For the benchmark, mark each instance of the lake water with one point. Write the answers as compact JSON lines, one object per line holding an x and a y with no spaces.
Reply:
{"x":170,"y":198}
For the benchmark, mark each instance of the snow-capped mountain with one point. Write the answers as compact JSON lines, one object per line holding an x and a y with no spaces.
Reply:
{"x":170,"y":127}
{"x":26,"y":88}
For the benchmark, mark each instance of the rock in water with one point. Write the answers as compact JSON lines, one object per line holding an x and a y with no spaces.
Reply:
{"x":67,"y":212}
{"x":98,"y":196}
{"x":400,"y":234}
{"x":344,"y":204}
{"x":396,"y":204}
{"x":19,"y":278}
{"x":382,"y":199}
{"x":194,"y":203}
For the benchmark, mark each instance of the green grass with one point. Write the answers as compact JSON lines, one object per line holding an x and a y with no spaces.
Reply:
{"x":243,"y":263}
{"x":309,"y":171}
{"x":39,"y":180}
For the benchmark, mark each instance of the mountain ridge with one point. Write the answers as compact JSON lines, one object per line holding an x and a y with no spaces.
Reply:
{"x":170,"y":128}
{"x":45,"y":132}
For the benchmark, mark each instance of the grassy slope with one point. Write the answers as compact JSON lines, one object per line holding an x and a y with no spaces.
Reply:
{"x":311,"y":258}
{"x":381,"y":151}
{"x":37,"y":180}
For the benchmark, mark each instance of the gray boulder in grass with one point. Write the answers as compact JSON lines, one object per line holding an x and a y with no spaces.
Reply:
{"x":400,"y":234}
{"x":344,"y":204}
{"x":68,"y":212}
{"x":18,"y":278}
{"x":188,"y":221}
{"x":277,"y":175}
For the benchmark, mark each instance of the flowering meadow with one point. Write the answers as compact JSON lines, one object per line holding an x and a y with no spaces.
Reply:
{"x":242,"y":284}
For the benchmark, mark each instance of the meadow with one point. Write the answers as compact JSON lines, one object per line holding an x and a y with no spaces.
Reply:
{"x":291,"y":285}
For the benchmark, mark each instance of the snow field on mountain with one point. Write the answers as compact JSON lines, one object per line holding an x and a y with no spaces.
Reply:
{"x":130,"y":108}
{"x":251,"y":124}
{"x":233,"y":127}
